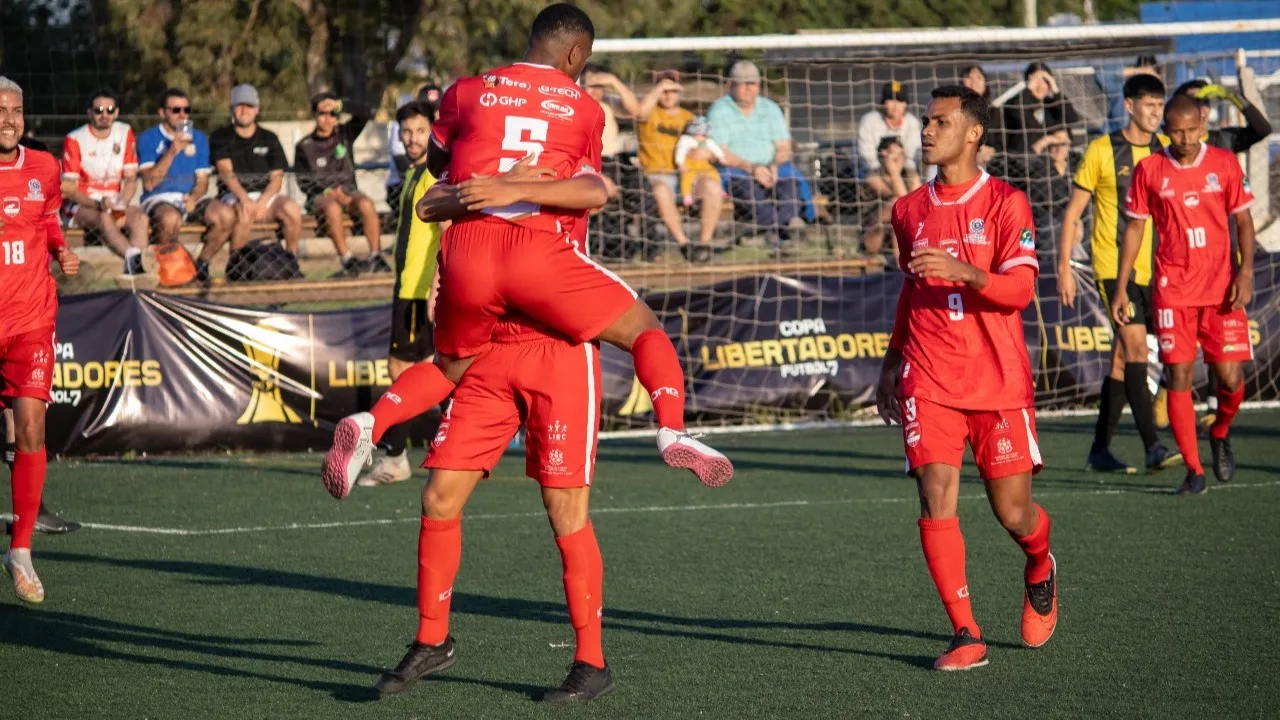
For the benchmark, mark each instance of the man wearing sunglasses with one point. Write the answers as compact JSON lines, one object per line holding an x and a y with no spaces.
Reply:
{"x":100,"y":178}
{"x":325,"y":166}
{"x":174,"y":165}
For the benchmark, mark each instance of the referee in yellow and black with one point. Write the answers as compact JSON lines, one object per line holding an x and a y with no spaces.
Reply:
{"x":1103,"y":177}
{"x":417,"y":244}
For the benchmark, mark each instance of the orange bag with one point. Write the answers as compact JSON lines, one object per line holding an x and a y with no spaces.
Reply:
{"x":175,"y":266}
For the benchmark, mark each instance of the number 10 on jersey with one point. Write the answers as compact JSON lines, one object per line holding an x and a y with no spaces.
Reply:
{"x":523,"y":135}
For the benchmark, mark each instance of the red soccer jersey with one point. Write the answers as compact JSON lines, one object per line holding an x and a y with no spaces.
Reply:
{"x":29,"y":194}
{"x":960,"y":350}
{"x":492,"y":121}
{"x":1190,"y":206}
{"x":98,"y":164}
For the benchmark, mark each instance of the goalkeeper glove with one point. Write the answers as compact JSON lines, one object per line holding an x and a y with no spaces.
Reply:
{"x":1218,"y":92}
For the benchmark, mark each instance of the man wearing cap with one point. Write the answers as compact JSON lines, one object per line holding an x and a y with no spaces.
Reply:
{"x":891,"y":119}
{"x":251,"y":164}
{"x":758,"y":169}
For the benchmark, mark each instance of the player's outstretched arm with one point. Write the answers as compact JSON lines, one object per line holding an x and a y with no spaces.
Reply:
{"x":1242,"y":288}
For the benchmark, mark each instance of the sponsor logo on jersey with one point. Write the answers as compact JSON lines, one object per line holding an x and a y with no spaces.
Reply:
{"x":1166,"y":343}
{"x":559,"y":91}
{"x":919,"y":242}
{"x":1002,"y":426}
{"x":493,"y":99}
{"x":1004,"y":446}
{"x":34,"y":190}
{"x":1191,"y":198}
{"x":1027,"y":240}
{"x":262,"y":150}
{"x":491,"y":81}
{"x":12,"y":207}
{"x":557,"y":109}
{"x":442,"y":434}
{"x":665,"y":390}
{"x":555,"y":457}
{"x":977,"y":232}
{"x":1211,"y":183}
{"x":1122,"y":171}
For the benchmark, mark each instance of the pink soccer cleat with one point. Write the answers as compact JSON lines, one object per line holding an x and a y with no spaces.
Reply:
{"x":352,"y":450}
{"x":681,"y":450}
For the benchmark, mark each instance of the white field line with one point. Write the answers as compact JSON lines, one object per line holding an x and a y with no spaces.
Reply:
{"x":639,"y":509}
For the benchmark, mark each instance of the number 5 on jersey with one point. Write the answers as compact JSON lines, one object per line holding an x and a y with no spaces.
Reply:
{"x":514,"y":140}
{"x":15,"y":252}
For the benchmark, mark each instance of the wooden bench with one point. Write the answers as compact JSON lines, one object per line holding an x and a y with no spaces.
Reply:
{"x":192,"y":233}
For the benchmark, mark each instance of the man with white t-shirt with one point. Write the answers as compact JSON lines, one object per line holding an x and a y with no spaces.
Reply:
{"x":891,"y":119}
{"x":100,"y":177}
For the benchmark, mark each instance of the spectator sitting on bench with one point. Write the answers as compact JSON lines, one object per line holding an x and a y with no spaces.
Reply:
{"x":174,"y":165}
{"x":890,"y":180}
{"x":250,"y":163}
{"x":660,"y":121}
{"x":758,"y":169}
{"x":100,"y":178}
{"x":326,"y":171}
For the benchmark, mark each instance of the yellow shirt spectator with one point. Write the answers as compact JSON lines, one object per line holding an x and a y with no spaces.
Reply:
{"x":658,"y":135}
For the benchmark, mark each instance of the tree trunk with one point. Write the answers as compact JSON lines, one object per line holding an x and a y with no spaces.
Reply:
{"x":317,"y":59}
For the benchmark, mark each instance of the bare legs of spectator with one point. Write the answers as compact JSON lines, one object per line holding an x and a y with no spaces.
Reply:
{"x":331,"y":210}
{"x":873,"y":237}
{"x":220,"y":222}
{"x":364,"y":208}
{"x":135,"y":220}
{"x":669,"y":211}
{"x":282,"y":209}
{"x":168,"y":222}
{"x":710,"y":192}
{"x":288,"y":213}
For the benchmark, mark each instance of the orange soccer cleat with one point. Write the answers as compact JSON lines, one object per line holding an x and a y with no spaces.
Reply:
{"x":964,"y":653}
{"x":1040,"y":609}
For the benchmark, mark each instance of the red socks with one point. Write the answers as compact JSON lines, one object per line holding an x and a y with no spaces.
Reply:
{"x":658,"y":370}
{"x":1182,"y":418}
{"x":944,"y":552}
{"x":1036,"y":547}
{"x":583,"y":590}
{"x":439,"y":554}
{"x":1228,"y":406}
{"x":28,"y":482}
{"x":417,"y":390}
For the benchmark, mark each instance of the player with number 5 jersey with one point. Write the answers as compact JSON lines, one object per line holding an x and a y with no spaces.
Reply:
{"x":1191,"y":191}
{"x":957,"y":369}
{"x":30,"y":200}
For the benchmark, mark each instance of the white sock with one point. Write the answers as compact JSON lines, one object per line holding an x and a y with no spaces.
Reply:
{"x":22,"y":558}
{"x":131,"y":252}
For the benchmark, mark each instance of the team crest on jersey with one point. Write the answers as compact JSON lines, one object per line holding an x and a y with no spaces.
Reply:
{"x":115,"y":149}
{"x":952,"y":247}
{"x":1027,"y":240}
{"x":1191,"y":198}
{"x":1004,"y":446}
{"x":977,"y":232}
{"x":555,"y":457}
{"x":12,"y":207}
{"x":34,"y":191}
{"x":912,"y":434}
{"x":1211,"y":183}
{"x":1166,"y":343}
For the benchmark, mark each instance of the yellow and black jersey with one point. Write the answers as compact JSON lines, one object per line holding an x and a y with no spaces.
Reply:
{"x":417,"y":242}
{"x":1105,"y":173}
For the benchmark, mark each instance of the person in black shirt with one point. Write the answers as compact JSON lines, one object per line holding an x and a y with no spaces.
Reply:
{"x":1032,"y":118}
{"x":251,"y":165}
{"x":1234,"y":139}
{"x":326,"y":172}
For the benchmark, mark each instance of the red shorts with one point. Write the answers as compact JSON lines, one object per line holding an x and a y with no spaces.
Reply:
{"x":26,"y":365}
{"x":1003,"y":441}
{"x":551,"y":386}
{"x":1223,"y":334}
{"x":490,"y":268}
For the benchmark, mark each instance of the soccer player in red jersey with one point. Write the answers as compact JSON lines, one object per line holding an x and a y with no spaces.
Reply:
{"x":957,"y":367}
{"x":30,"y":200}
{"x":551,"y":385}
{"x":523,"y":249}
{"x":1190,"y":191}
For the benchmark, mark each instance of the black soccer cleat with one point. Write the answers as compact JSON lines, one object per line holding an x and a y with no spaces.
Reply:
{"x":1160,"y":458}
{"x":585,"y":682}
{"x":1104,"y":462}
{"x":49,"y":522}
{"x":1224,"y":459}
{"x":421,"y":660}
{"x":1192,"y":485}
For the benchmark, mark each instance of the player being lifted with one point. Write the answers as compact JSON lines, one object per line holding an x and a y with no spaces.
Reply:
{"x":1189,"y":191}
{"x":524,"y":251}
{"x":29,"y":234}
{"x":957,"y":366}
{"x":1104,"y":177}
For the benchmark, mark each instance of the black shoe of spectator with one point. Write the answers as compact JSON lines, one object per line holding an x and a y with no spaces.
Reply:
{"x":784,"y":251}
{"x":701,"y":254}
{"x":350,"y":268}
{"x":133,"y":265}
{"x":202,"y":271}
{"x":377,"y":263}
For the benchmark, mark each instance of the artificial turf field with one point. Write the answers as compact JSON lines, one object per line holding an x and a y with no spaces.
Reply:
{"x":798,"y":590}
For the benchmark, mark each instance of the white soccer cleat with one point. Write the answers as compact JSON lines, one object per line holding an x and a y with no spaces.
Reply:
{"x":352,"y":450}
{"x":26,"y":584}
{"x":681,"y":450}
{"x":390,"y":469}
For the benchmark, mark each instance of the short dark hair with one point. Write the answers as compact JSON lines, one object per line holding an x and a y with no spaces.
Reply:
{"x":986,"y":91}
{"x":171,"y":92}
{"x":417,"y":108}
{"x":321,"y":97}
{"x":1034,"y":68}
{"x":971,"y":104}
{"x":105,"y":92}
{"x":563,"y":20}
{"x":887,"y":142}
{"x":1143,"y":85}
{"x":1181,"y":103}
{"x":1191,"y":86}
